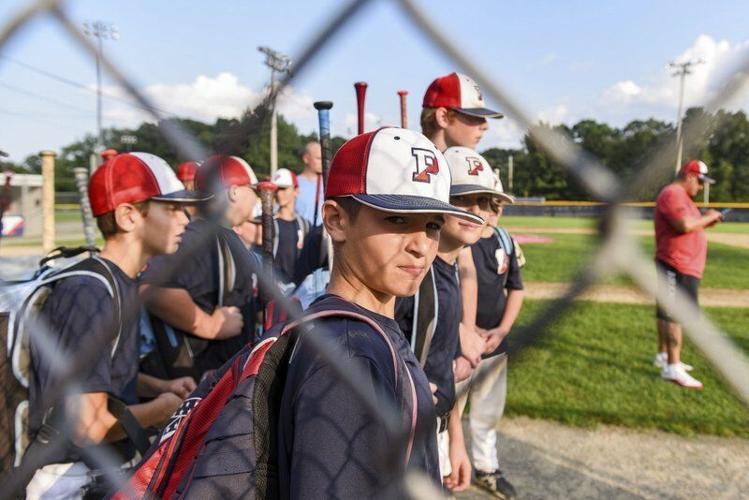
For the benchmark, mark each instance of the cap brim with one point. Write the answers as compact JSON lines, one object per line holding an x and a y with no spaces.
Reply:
{"x":707,"y":180}
{"x":461,"y":189}
{"x":480,"y":112}
{"x":183,"y":196}
{"x":504,"y":197}
{"x":398,"y":203}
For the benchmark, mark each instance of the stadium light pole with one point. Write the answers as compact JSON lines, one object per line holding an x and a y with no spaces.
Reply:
{"x":100,"y":30}
{"x":278,"y":63}
{"x":681,"y":70}
{"x":128,"y":140}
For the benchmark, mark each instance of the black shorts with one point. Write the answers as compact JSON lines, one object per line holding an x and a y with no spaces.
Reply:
{"x":684,"y":282}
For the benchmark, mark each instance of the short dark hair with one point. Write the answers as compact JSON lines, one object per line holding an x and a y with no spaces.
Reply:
{"x":349,"y":205}
{"x":107,"y":223}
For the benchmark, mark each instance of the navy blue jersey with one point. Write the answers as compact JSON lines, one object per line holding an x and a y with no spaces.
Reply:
{"x":496,"y":272}
{"x":198,"y":274}
{"x":330,"y":446}
{"x":286,"y":253}
{"x":80,"y":311}
{"x":445,"y":346}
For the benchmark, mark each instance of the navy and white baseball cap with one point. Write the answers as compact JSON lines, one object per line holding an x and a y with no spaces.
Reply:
{"x":458,"y":92}
{"x":471,"y":172}
{"x":394,"y":170}
{"x":134,"y":177}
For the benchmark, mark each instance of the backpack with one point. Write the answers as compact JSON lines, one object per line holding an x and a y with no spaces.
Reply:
{"x":19,"y":301}
{"x":222,"y":440}
{"x":302,"y":231}
{"x":509,"y":245}
{"x":174,"y":352}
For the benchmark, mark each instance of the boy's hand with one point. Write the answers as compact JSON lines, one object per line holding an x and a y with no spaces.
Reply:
{"x":182,"y":386}
{"x":460,"y":478}
{"x":168,"y":404}
{"x":229,"y":322}
{"x":471,"y":345}
{"x":433,"y":388}
{"x":462,"y":369}
{"x":494,"y":337}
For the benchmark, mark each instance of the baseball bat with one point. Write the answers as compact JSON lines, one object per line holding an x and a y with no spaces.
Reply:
{"x":361,"y":94}
{"x":266,"y":189}
{"x":81,"y":182}
{"x":323,"y":114}
{"x":404,"y":111}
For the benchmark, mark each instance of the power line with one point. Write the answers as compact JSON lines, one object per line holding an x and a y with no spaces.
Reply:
{"x":44,"y":98}
{"x":79,"y":85}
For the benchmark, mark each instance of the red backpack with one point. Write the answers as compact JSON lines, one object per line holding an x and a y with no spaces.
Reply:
{"x":203,"y":451}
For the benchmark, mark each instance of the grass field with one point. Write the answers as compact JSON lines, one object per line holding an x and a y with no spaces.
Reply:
{"x":594,"y":366}
{"x":559,"y":260}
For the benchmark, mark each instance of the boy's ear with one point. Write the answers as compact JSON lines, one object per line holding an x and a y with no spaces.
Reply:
{"x":231,"y":193}
{"x":441,"y":117}
{"x":127,"y":217}
{"x":336,"y":220}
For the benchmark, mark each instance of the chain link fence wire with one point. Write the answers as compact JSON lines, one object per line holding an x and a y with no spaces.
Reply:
{"x":616,"y":253}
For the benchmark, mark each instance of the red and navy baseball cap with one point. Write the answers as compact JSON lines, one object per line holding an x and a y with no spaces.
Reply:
{"x":394,"y":170}
{"x":134,"y":177}
{"x":458,"y":92}
{"x":186,"y":171}
{"x":285,"y":178}
{"x":699,"y":168}
{"x":225,"y":170}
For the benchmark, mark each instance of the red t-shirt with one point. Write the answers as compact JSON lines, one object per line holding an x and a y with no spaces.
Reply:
{"x":685,"y":252}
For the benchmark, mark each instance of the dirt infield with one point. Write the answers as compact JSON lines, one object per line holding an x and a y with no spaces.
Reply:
{"x":711,"y":297}
{"x":548,"y":460}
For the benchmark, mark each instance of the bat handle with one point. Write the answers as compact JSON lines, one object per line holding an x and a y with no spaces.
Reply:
{"x":81,"y":182}
{"x":361,"y":92}
{"x":323,"y":114}
{"x":404,"y":109}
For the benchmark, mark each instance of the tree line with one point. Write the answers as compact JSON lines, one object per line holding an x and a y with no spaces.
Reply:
{"x":724,"y":147}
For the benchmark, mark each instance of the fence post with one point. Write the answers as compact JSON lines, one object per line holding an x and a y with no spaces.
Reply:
{"x":48,"y":200}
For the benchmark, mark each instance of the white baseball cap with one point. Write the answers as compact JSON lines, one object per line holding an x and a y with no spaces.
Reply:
{"x":394,"y":170}
{"x":285,"y":178}
{"x":500,"y":192}
{"x":472,"y":174}
{"x":459,"y":92}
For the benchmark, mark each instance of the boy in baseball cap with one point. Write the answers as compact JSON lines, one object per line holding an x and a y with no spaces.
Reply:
{"x":208,"y":301}
{"x":386,"y":201}
{"x":138,"y":204}
{"x":290,"y":227}
{"x":497,"y":299}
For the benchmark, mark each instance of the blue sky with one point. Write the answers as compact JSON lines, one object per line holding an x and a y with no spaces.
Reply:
{"x":562,"y":61}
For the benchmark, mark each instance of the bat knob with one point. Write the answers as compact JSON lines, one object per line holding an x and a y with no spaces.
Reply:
{"x":360,"y":84}
{"x":403,"y":92}
{"x":267,"y":186}
{"x":323,"y":105}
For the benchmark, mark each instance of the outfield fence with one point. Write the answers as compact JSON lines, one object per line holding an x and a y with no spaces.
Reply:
{"x":616,"y":253}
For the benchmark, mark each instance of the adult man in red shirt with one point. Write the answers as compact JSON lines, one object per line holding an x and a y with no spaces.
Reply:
{"x":681,"y":251}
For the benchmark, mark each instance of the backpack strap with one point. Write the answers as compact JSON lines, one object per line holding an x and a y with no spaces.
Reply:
{"x":425,"y":313}
{"x":505,"y":240}
{"x":227,"y":269}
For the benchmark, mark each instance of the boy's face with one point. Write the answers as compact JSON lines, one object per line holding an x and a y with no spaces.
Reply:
{"x":242,"y":202}
{"x":247,"y":232}
{"x":464,"y":232}
{"x":162,"y":227}
{"x":389,"y":253}
{"x":464,"y":130}
{"x":286,"y":196}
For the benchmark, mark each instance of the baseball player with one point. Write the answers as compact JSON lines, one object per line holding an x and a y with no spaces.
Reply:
{"x":498,"y":303}
{"x":290,"y":227}
{"x":208,"y":306}
{"x":138,"y":204}
{"x":186,"y":174}
{"x":385,"y":204}
{"x":454,"y":114}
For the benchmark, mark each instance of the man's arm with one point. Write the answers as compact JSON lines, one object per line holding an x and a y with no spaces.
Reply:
{"x":150,"y":386}
{"x":176,"y":307}
{"x":94,"y":423}
{"x":688,"y":224}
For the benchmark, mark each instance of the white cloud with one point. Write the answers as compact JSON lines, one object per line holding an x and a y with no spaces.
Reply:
{"x":371,"y":122}
{"x":720,"y":58}
{"x":554,"y":115}
{"x":206,"y":98}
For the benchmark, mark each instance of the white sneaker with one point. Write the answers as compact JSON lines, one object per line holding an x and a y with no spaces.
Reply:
{"x":661,"y":361}
{"x":678,"y":375}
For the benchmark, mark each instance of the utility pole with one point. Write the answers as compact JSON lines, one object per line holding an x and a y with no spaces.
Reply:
{"x":509,"y":173}
{"x":278,"y":63}
{"x":681,"y":70}
{"x":100,"y":30}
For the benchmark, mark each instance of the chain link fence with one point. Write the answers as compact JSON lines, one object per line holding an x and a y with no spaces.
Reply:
{"x":617,"y":253}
